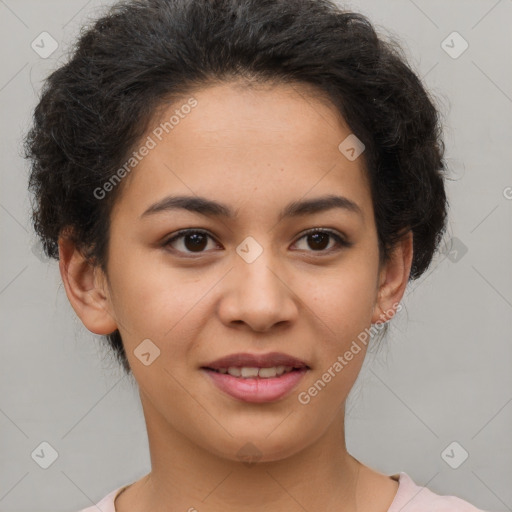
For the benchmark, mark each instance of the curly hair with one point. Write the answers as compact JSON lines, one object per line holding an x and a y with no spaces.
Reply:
{"x":143,"y":54}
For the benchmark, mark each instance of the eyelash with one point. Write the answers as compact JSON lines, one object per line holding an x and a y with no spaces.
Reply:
{"x":341,"y":242}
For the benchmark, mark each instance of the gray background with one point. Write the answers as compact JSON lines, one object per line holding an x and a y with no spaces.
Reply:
{"x":444,"y":374}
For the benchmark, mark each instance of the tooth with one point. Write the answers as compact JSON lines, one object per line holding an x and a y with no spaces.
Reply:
{"x":280,"y":370}
{"x":267,"y":372}
{"x":249,"y":372}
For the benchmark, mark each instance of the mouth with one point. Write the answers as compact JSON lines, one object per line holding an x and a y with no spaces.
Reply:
{"x":256,"y":378}
{"x":253,"y":372}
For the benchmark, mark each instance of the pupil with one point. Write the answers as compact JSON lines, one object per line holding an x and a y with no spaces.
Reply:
{"x":319,"y":237}
{"x":198,"y":241}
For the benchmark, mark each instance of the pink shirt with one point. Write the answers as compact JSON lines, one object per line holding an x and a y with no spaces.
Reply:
{"x":409,"y":498}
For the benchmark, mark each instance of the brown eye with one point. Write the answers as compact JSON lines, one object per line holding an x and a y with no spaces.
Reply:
{"x":191,"y":241}
{"x":318,"y":240}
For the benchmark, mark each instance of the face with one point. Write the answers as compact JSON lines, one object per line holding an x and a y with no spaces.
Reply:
{"x":250,"y":276}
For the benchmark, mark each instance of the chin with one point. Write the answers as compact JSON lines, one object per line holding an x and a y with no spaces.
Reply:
{"x":259,"y":447}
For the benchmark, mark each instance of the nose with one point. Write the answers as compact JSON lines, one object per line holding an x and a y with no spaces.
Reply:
{"x":258,"y":294}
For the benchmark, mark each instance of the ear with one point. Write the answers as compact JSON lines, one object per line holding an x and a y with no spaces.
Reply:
{"x":393,"y":278}
{"x":86,"y":289}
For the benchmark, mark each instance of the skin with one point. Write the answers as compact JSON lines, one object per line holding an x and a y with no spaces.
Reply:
{"x":256,"y":150}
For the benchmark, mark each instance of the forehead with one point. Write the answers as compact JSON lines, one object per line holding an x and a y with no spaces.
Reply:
{"x":272,"y":113}
{"x":240,"y":140}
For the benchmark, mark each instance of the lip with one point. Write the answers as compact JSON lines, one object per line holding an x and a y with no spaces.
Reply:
{"x":256,"y":389}
{"x":256,"y":360}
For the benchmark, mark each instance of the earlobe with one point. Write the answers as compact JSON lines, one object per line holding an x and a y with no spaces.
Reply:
{"x":393,"y":279}
{"x":85,"y":289}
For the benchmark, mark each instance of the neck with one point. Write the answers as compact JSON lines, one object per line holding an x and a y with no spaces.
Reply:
{"x":186,"y":476}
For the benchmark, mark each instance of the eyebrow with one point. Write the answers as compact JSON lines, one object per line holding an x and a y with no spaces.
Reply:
{"x":208,"y":207}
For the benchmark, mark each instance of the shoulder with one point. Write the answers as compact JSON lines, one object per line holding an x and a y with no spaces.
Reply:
{"x":411,"y":497}
{"x":107,"y":503}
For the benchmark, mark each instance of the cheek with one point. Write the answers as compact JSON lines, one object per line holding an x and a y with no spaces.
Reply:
{"x":344,"y":298}
{"x":165,"y":305}
{"x":340,"y":312}
{"x":147,"y":295}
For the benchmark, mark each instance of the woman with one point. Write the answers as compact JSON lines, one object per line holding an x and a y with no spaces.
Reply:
{"x":237,"y":192}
